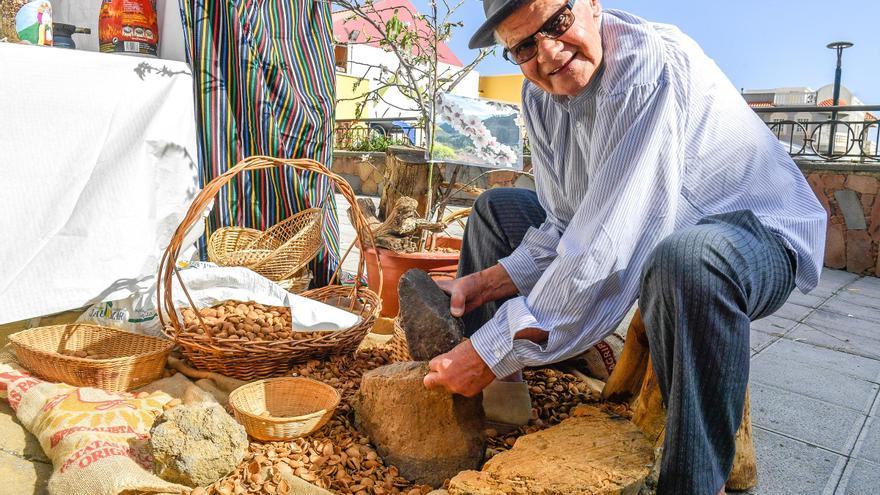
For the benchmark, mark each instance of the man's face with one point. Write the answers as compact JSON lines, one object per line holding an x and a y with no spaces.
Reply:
{"x":563,"y":66}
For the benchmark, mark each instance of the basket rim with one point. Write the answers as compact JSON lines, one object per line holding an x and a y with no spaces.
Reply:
{"x":16,"y":337}
{"x":283,"y":419}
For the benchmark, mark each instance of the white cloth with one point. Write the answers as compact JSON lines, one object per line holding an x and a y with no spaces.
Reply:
{"x":99,"y":167}
{"x":659,"y":140}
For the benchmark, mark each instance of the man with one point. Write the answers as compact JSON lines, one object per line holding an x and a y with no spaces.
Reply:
{"x":654,"y":181}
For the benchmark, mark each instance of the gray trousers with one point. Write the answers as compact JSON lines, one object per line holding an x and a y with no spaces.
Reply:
{"x":700,"y":289}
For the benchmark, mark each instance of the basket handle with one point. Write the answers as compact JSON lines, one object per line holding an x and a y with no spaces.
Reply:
{"x":168,"y":263}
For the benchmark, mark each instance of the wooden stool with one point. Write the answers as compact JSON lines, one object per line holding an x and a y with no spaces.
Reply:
{"x":633,"y":381}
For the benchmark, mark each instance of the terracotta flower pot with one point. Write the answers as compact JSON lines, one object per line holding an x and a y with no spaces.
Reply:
{"x":395,"y":264}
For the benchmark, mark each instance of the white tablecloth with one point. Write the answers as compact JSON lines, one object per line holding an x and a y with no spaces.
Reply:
{"x":98,"y":165}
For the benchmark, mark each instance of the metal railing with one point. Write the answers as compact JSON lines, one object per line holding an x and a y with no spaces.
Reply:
{"x":848,"y":138}
{"x":362,"y":134}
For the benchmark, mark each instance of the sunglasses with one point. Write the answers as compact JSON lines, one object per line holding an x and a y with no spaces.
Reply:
{"x":556,"y":26}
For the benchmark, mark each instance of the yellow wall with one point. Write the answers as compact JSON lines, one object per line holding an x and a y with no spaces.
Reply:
{"x":503,"y":88}
{"x":344,"y":91}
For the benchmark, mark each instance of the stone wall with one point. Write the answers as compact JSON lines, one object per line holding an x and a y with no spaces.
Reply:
{"x":849,"y":195}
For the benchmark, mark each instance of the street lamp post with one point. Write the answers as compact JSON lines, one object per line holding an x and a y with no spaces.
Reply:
{"x":840,"y":46}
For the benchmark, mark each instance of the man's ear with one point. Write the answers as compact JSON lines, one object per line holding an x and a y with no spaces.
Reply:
{"x":595,"y":7}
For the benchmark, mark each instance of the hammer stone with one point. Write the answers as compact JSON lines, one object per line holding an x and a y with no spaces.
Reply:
{"x":430,"y":328}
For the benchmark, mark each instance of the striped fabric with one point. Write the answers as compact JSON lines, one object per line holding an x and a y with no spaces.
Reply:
{"x":265,"y":85}
{"x":659,"y":140}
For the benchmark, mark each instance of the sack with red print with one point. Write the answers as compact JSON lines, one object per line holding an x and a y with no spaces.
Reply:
{"x":96,"y":439}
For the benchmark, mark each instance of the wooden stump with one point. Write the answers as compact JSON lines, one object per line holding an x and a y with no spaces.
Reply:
{"x":633,"y":381}
{"x":406,"y":174}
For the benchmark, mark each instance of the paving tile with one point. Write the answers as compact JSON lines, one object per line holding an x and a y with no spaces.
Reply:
{"x":789,"y":467}
{"x":833,"y":280}
{"x":776,"y":367}
{"x":864,"y":334}
{"x":810,"y":420}
{"x":22,"y":477}
{"x":824,"y":359}
{"x":869,"y":286}
{"x":857,"y":297}
{"x":758,"y":341}
{"x":839,"y":340}
{"x":861,"y":477}
{"x":813,"y":300}
{"x":868,"y":445}
{"x":773,"y":325}
{"x":842,"y":306}
{"x":792,"y":311}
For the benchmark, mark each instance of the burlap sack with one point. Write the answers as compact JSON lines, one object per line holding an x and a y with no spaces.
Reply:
{"x":95,"y":439}
{"x":601,"y":359}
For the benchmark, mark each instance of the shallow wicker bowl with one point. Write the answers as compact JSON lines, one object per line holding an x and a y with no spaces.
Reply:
{"x":295,"y":407}
{"x":135,"y":359}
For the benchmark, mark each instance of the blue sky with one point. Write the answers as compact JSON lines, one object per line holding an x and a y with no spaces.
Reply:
{"x":758,"y":44}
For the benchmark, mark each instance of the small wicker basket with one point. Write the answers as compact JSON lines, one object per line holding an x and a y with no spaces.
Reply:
{"x":278,"y":253}
{"x":249,"y":360}
{"x":396,"y":345}
{"x":135,"y":359}
{"x":279,"y":409}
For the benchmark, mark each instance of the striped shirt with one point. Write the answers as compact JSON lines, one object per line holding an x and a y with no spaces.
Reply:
{"x":657,"y":141}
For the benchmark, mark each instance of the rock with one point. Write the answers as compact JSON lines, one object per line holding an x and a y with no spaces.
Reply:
{"x":591,"y":453}
{"x":196,"y":445}
{"x":429,"y":435}
{"x":425,"y":318}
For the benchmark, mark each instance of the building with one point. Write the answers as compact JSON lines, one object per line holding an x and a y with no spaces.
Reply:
{"x":808,"y":132}
{"x":359,"y":57}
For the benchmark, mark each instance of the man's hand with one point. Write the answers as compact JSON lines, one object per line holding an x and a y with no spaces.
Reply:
{"x":459,"y":371}
{"x":472,"y":291}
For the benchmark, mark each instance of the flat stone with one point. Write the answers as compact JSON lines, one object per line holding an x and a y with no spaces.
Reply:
{"x":856,"y":298}
{"x":868,"y":446}
{"x":851,"y":207}
{"x":773,"y":325}
{"x":867,"y":285}
{"x":861,"y":477}
{"x":758,"y":340}
{"x":15,"y":439}
{"x":792,"y":311}
{"x":429,"y":435}
{"x":775,"y":367}
{"x":812,"y":300}
{"x":430,"y":328}
{"x":790,"y":467}
{"x":810,"y":420}
{"x":833,"y":280}
{"x":865,"y":312}
{"x":835,"y":246}
{"x":874,"y":221}
{"x":821,"y":360}
{"x":23,"y":477}
{"x":859,"y":257}
{"x":590,"y":453}
{"x":864,"y":184}
{"x":837,"y":340}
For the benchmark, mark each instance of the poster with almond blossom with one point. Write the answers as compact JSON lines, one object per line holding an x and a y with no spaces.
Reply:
{"x":475,"y":131}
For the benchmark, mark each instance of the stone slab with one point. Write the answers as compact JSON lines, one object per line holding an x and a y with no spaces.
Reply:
{"x":812,"y":300}
{"x":842,"y":306}
{"x":775,"y":367}
{"x":789,"y":467}
{"x":849,"y":204}
{"x":861,"y":477}
{"x":820,"y":358}
{"x":861,"y":334}
{"x":773,"y":325}
{"x":758,"y":341}
{"x":837,"y":340}
{"x":22,"y":477}
{"x":869,"y":286}
{"x":868,"y":446}
{"x":833,"y":280}
{"x":792,"y":311}
{"x":15,"y":439}
{"x":816,"y":422}
{"x":856,"y":297}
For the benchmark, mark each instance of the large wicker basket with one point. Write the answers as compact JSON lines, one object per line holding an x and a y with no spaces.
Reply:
{"x":261,"y":359}
{"x":135,"y":359}
{"x":283,"y":408}
{"x":278,"y":253}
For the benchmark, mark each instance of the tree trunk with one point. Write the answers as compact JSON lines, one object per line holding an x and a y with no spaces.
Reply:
{"x":406,"y":174}
{"x":634,"y":373}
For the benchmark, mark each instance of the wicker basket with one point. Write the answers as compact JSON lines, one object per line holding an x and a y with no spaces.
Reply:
{"x":136,"y":359}
{"x":298,"y":283}
{"x":283,"y":408}
{"x":278,"y":253}
{"x":397,"y":347}
{"x":250,"y":360}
